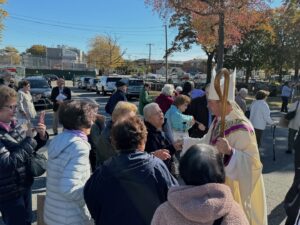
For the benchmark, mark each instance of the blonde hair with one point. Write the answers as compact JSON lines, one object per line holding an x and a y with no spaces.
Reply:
{"x":123,"y":108}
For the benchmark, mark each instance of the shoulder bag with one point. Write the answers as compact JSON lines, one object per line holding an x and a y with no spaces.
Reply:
{"x":37,"y":161}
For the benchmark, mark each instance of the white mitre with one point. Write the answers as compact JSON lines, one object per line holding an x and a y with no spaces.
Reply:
{"x":212,"y":94}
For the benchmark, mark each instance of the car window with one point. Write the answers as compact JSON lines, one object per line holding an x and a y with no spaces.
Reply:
{"x":113,"y":79}
{"x":38,"y":84}
{"x":136,"y":82}
{"x":87,"y":79}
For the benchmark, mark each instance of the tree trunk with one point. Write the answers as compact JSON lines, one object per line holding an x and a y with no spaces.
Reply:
{"x":248,"y":74}
{"x":220,"y":59}
{"x":210,"y":57}
{"x":297,"y":64}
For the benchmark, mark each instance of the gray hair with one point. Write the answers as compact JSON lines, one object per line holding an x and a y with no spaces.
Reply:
{"x":243,"y":92}
{"x":148,"y":109}
{"x":168,"y":89}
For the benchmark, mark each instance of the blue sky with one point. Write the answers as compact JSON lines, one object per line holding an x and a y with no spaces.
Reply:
{"x":75,"y":22}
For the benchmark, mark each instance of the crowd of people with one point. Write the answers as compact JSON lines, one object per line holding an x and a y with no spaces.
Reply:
{"x":163,"y":162}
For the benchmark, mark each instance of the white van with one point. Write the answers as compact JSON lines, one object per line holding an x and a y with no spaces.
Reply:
{"x":107,"y":84}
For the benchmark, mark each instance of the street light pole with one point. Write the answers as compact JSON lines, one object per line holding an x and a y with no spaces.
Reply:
{"x":166,"y":52}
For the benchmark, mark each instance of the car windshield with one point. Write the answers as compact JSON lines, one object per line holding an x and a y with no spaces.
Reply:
{"x":38,"y":84}
{"x":136,"y":82}
{"x":113,"y":79}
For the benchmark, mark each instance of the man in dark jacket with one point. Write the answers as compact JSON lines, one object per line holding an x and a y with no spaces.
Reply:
{"x":59,"y":94}
{"x":138,"y":182}
{"x":16,"y":148}
{"x":119,"y":95}
{"x":292,"y":198}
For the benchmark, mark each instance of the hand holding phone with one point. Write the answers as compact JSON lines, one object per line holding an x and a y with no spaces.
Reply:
{"x":42,"y":117}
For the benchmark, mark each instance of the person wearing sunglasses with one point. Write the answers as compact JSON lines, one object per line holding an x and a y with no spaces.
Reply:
{"x":16,"y":148}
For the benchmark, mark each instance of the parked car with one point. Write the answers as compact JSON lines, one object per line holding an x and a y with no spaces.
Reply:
{"x":51,"y":77}
{"x":40,"y":91}
{"x":134,"y":87}
{"x":83,"y":82}
{"x":107,"y":84}
{"x":91,"y":86}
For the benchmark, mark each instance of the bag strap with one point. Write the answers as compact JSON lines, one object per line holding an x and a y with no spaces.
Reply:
{"x":218,"y":221}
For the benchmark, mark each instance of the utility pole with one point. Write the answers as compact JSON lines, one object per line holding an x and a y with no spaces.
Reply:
{"x":166,"y":52}
{"x":148,"y":68}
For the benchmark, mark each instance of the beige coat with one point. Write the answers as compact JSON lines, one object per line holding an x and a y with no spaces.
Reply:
{"x":25,"y":104}
{"x":199,"y":205}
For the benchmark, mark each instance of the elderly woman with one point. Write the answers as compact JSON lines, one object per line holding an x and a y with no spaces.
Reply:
{"x":104,"y":148}
{"x":128,"y":188}
{"x":260,"y":114}
{"x":165,"y":99}
{"x":26,"y":110}
{"x":68,"y":165}
{"x":240,"y":99}
{"x":159,"y":139}
{"x":204,"y":199}
{"x":16,"y":149}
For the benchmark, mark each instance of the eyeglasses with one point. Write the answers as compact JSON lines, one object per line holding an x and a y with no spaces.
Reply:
{"x":10,"y":107}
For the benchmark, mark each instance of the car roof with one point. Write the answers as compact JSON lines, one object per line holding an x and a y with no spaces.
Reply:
{"x":34,"y":78}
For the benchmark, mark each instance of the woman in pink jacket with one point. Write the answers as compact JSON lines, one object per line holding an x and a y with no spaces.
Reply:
{"x":205,"y":199}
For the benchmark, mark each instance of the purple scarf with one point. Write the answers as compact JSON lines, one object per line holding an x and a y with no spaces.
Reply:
{"x":77,"y":133}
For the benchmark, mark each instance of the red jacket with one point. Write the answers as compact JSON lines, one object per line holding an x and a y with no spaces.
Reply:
{"x":164,"y":102}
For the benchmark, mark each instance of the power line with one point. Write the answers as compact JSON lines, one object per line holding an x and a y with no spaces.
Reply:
{"x":84,"y":25}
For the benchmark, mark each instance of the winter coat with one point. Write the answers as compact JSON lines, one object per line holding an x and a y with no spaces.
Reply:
{"x":164,"y":102}
{"x":199,"y":205}
{"x":127,"y":189}
{"x":144,"y":99}
{"x":104,"y":149}
{"x":15,"y":175}
{"x":113,"y":100}
{"x":260,"y":114}
{"x":292,"y":198}
{"x":156,"y":140}
{"x":93,"y":139}
{"x":198,"y":109}
{"x":177,"y":120}
{"x":25,"y":104}
{"x":295,"y":122}
{"x":68,"y":169}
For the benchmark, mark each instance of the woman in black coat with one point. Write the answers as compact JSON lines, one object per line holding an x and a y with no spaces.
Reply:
{"x":16,"y":148}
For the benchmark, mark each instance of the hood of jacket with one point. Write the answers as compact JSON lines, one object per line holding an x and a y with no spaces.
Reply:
{"x":61,"y":142}
{"x":203,"y":203}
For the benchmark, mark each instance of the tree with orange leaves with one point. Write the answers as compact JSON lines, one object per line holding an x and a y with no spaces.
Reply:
{"x":220,"y":22}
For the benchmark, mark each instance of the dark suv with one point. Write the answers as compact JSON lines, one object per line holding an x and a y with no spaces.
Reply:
{"x":134,"y":87}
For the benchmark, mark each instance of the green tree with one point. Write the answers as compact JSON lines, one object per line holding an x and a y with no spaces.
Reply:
{"x":105,"y":53}
{"x":227,"y":19}
{"x":3,"y":14}
{"x":37,"y":50}
{"x":251,"y":53}
{"x":13,"y":54}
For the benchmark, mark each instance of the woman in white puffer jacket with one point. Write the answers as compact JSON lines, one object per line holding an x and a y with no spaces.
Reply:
{"x":68,"y":166}
{"x":260,"y":114}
